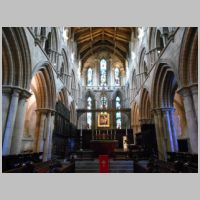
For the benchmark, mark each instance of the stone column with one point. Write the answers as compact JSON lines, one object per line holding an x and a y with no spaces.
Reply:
{"x":10,"y":123}
{"x":19,"y":124}
{"x":161,"y":140}
{"x":6,"y":98}
{"x":47,"y":135}
{"x":191,"y":118}
{"x":194,"y":91}
{"x":40,"y":139}
{"x":165,"y":132}
{"x":50,"y":138}
{"x":174,"y":134}
{"x":169,"y":130}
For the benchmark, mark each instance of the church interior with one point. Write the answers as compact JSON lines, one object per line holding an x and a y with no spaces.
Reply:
{"x":99,"y":99}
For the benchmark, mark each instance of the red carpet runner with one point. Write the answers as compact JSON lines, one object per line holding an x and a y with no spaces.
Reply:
{"x":103,"y":164}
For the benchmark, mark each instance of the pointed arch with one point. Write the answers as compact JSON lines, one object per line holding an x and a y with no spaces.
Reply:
{"x":64,"y":68}
{"x":135,"y":118}
{"x":43,"y":85}
{"x":145,"y":105}
{"x":117,"y":92}
{"x":63,"y":96}
{"x":16,"y":59}
{"x":164,"y":86}
{"x":188,"y":61}
{"x":91,"y":94}
{"x":89,"y":77}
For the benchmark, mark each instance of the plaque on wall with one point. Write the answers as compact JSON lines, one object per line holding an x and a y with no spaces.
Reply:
{"x":103,"y":119}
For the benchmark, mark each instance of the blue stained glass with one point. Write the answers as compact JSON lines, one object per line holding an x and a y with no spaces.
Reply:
{"x":117,"y":80}
{"x":104,"y":102}
{"x":89,"y":77}
{"x":89,"y":114}
{"x":118,"y":104}
{"x":118,"y":114}
{"x":103,"y":72}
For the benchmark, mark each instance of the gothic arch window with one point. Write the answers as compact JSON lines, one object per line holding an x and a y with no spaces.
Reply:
{"x":117,"y":78}
{"x":89,"y":114}
{"x":118,"y":103}
{"x":118,"y":114}
{"x":103,"y":72}
{"x":104,"y":102}
{"x":89,"y":77}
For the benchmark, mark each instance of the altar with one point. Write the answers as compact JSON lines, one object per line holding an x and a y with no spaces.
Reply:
{"x":103,"y":146}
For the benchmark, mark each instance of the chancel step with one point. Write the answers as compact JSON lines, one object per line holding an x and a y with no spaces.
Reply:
{"x":115,"y":166}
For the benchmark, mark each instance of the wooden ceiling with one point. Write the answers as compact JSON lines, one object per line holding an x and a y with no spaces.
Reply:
{"x":93,"y":39}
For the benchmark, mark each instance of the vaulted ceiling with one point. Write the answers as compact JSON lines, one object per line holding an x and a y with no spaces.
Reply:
{"x":93,"y":39}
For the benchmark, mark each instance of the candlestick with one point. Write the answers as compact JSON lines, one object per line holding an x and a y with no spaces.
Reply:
{"x":81,"y":131}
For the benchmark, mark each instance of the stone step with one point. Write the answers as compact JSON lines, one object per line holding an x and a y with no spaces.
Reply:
{"x":115,"y":166}
{"x":121,"y":171}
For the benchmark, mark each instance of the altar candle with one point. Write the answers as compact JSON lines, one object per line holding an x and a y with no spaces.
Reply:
{"x":81,"y":131}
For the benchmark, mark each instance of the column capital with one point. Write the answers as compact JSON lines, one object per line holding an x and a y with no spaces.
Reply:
{"x":194,"y":88}
{"x":46,"y":111}
{"x":184,"y":91}
{"x":6,"y":90}
{"x":9,"y":89}
{"x":162,"y":110}
{"x":16,"y":92}
{"x":25,"y":94}
{"x":146,"y":121}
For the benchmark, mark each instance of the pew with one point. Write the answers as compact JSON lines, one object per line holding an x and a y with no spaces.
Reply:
{"x":185,"y":162}
{"x":45,"y":167}
{"x":16,"y":161}
{"x":32,"y":163}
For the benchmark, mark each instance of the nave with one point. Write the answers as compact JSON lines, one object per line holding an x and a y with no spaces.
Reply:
{"x":76,"y":97}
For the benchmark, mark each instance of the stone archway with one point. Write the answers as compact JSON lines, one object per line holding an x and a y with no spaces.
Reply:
{"x":135,"y":118}
{"x":162,"y":98}
{"x":188,"y":89}
{"x":16,"y":76}
{"x":41,"y":105}
{"x":145,"y":107}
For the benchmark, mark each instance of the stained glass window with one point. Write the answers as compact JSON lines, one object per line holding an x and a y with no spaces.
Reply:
{"x":118,"y":120}
{"x":89,"y":114}
{"x":118,"y":114}
{"x":103,"y":72}
{"x":117,"y":79}
{"x":89,"y":77}
{"x":104,"y":102}
{"x":118,"y":103}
